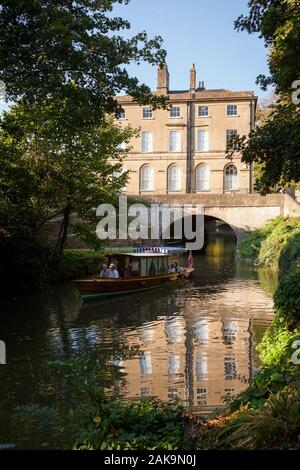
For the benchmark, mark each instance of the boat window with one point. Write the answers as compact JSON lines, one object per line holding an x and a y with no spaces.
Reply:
{"x":135,"y":268}
{"x":152,"y":266}
{"x":143,"y":266}
{"x":163,"y":266}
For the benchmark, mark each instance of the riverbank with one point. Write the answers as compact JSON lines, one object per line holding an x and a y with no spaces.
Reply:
{"x":267,"y":414}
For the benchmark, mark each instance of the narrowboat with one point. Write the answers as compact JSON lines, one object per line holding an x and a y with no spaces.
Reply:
{"x":138,"y":271}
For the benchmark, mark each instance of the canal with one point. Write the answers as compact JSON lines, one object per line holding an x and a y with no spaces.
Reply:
{"x":194,"y":340}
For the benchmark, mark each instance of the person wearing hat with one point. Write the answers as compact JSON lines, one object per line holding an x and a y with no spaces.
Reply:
{"x":114,"y":273}
{"x":104,"y":271}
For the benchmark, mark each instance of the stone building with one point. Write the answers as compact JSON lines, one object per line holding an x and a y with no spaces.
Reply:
{"x":182,"y":149}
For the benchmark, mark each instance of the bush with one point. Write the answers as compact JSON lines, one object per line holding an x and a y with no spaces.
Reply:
{"x":287,"y":297}
{"x":290,"y":257}
{"x":276,"y":425}
{"x":80,"y":263}
{"x":272,"y":244}
{"x":249,"y":248}
{"x":277,"y":241}
{"x":139,"y":425}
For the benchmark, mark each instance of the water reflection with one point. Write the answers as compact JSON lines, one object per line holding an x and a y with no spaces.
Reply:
{"x":194,"y":341}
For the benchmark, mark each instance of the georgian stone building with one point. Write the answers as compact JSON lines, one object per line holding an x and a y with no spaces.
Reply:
{"x":182,"y":149}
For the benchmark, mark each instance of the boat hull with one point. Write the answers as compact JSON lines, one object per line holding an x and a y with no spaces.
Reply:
{"x":96,"y":288}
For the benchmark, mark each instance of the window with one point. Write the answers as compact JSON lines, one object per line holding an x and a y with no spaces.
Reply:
{"x":146,"y":178}
{"x":145,"y":363}
{"x":175,"y":141}
{"x":147,"y":113}
{"x":232,"y":110}
{"x":203,"y":111}
{"x":230,"y":370}
{"x":173,"y":364}
{"x":231,"y":178}
{"x":202,"y":178}
{"x":203,"y":141}
{"x":229,"y":134}
{"x":175,"y":112}
{"x":174,"y":178}
{"x":147,"y":142}
{"x":121,"y":115}
{"x":173,"y":393}
{"x":201,"y":367}
{"x":201,"y":396}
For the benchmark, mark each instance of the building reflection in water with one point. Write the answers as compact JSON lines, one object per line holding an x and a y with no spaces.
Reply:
{"x":199,"y":359}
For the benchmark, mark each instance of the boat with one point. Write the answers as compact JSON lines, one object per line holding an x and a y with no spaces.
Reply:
{"x":139,"y":271}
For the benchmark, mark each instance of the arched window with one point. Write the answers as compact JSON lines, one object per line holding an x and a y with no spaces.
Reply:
{"x":146,"y":178}
{"x":230,"y":178}
{"x":202,"y":178}
{"x":174,"y":178}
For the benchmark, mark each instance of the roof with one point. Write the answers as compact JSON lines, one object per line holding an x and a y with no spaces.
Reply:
{"x":142,"y":255}
{"x":199,"y":95}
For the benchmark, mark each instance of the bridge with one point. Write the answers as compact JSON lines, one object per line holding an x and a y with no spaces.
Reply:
{"x":242,"y":212}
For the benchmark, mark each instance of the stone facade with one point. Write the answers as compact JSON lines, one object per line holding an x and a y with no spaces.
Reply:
{"x":182,"y":149}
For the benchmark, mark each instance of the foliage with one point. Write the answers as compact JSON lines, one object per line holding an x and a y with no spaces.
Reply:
{"x":290,"y":256}
{"x":63,"y":64}
{"x":272,"y":426}
{"x":274,"y":145}
{"x":275,"y":343}
{"x":277,"y":241}
{"x":32,"y":421}
{"x":272,"y":244}
{"x":250,"y":246}
{"x":80,"y":263}
{"x":139,"y":425}
{"x":287,"y":297}
{"x":85,"y":414}
{"x":49,"y":172}
{"x":72,"y":51}
{"x":19,"y":271}
{"x":277,"y":22}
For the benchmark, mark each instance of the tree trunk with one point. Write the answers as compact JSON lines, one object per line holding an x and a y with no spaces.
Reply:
{"x":63,"y":232}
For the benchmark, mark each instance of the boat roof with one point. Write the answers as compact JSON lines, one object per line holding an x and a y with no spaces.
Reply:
{"x":142,"y":255}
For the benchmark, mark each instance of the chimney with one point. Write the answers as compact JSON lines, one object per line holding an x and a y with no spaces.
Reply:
{"x":163,"y":80}
{"x":193,"y":74}
{"x":201,"y":86}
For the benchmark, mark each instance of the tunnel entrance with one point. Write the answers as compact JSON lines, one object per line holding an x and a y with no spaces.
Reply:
{"x":214,"y":229}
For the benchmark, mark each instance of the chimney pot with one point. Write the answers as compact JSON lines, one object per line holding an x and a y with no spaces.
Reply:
{"x":163,"y":79}
{"x":193,"y":75}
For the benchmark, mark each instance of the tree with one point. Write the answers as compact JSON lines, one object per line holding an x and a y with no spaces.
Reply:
{"x":64,"y":62}
{"x":49,"y":171}
{"x":70,"y":50}
{"x":278,"y":23}
{"x":274,"y":145}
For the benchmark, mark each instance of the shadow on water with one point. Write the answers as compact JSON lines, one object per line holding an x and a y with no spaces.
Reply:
{"x":194,"y":340}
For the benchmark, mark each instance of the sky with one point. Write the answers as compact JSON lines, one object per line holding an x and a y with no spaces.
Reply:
{"x":200,"y":32}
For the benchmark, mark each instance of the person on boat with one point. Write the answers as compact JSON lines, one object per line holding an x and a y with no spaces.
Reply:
{"x":104,"y":271}
{"x":114,"y":273}
{"x":176,"y":267}
{"x":172,"y":268}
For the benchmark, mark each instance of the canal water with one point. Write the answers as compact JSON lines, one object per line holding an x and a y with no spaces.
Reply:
{"x":194,"y":340}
